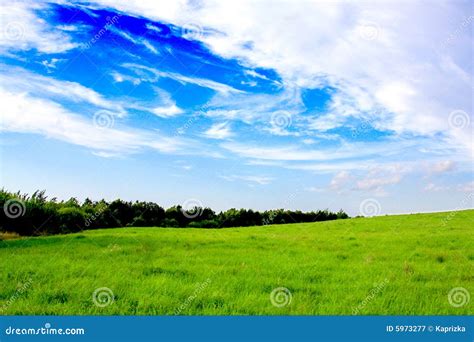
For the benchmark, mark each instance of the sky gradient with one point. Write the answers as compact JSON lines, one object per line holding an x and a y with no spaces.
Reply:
{"x":255,"y":104}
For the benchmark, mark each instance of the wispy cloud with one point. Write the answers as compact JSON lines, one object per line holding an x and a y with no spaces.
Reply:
{"x":257,"y":109}
{"x":167,"y":111}
{"x":431,"y":187}
{"x":379,"y":177}
{"x":23,"y":30}
{"x":21,"y":80}
{"x":340,"y":180}
{"x":386,"y":52}
{"x":467,"y":187}
{"x":135,"y":40}
{"x":297,"y":153}
{"x":442,"y":166}
{"x":261,"y":180}
{"x":202,"y":82}
{"x":219,"y":131}
{"x":26,"y":114}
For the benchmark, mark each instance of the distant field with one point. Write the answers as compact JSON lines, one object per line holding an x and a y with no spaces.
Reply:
{"x":385,"y":265}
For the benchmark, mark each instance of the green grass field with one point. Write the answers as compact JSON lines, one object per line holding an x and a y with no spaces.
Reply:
{"x":391,"y":265}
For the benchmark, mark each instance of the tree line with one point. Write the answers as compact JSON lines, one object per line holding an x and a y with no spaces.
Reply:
{"x":37,"y":214}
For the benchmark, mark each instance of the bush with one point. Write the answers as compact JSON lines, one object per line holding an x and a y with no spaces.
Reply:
{"x":71,"y":219}
{"x":170,"y":223}
{"x":36,"y":214}
{"x":138,"y":222}
{"x":204,"y":224}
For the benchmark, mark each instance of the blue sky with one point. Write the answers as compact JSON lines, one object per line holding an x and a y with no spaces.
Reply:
{"x":301,"y":105}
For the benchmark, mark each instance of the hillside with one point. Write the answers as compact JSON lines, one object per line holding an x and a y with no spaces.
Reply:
{"x":405,"y":264}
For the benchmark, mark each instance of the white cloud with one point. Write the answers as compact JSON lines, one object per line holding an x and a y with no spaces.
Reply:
{"x":205,"y":83}
{"x":257,"y":108}
{"x":153,"y":28}
{"x":387,"y":60}
{"x":366,"y":177}
{"x":273,"y":153}
{"x":261,"y":180}
{"x":467,"y":187}
{"x":326,"y":122}
{"x":308,"y":141}
{"x":340,"y":180}
{"x":395,"y":96}
{"x":379,"y":177}
{"x":184,"y":165}
{"x":219,"y":131}
{"x":22,"y":29}
{"x":394,"y":68}
{"x":20,"y":80}
{"x":330,"y":167}
{"x":118,"y":77}
{"x":442,"y":166}
{"x":406,"y":80}
{"x":135,"y":40}
{"x":297,"y":153}
{"x":372,"y":183}
{"x":374,"y":179}
{"x":431,"y":187}
{"x":72,"y":28}
{"x":315,"y":189}
{"x":51,"y":64}
{"x":363,"y":176}
{"x":22,"y":113}
{"x":168,"y":111}
{"x":150,"y":46}
{"x":255,"y":74}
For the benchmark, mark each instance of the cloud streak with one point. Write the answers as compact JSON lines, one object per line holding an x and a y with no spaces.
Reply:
{"x":26,"y":114}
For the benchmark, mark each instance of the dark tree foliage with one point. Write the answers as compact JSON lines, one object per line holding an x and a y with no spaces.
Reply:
{"x":37,"y":215}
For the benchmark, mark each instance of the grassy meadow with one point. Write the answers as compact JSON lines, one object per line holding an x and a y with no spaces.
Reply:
{"x":389,"y":265}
